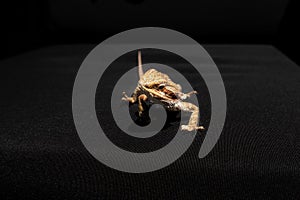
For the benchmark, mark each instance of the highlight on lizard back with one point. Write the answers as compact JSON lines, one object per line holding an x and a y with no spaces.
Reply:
{"x":156,"y":87}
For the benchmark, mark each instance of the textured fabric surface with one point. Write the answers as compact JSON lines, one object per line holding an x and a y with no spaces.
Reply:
{"x":257,"y":155}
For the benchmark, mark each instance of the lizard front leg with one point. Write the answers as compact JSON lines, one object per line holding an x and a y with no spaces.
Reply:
{"x":141,"y":98}
{"x":129,"y":99}
{"x":134,"y":99}
{"x":183,"y":96}
{"x":193,"y":122}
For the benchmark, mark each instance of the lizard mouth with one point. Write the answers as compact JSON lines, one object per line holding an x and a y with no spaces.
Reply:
{"x":159,"y":94}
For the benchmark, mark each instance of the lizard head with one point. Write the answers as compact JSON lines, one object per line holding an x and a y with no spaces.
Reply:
{"x":159,"y":85}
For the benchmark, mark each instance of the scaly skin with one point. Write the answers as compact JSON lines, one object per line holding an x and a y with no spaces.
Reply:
{"x":159,"y":88}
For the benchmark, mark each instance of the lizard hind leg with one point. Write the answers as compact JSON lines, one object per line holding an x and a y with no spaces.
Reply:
{"x":194,"y":118}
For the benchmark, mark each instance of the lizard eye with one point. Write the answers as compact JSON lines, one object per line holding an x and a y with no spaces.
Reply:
{"x":161,"y":86}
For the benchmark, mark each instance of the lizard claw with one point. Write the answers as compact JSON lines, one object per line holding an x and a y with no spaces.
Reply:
{"x":192,"y":92}
{"x":125,"y":97}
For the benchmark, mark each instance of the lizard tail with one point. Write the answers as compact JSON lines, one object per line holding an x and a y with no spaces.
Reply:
{"x":141,"y":73}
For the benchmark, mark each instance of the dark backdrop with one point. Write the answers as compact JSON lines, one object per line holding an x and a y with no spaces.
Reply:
{"x":257,"y":155}
{"x":35,"y":23}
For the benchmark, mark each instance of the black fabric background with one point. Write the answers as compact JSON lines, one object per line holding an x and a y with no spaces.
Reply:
{"x":257,"y":156}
